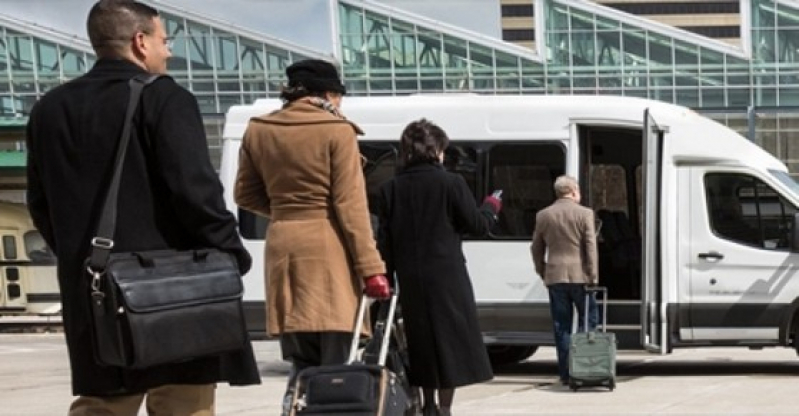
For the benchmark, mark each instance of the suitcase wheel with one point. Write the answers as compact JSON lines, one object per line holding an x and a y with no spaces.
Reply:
{"x":612,"y":385}
{"x":573,"y":386}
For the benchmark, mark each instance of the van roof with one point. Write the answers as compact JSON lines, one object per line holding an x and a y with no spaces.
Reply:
{"x":532,"y":117}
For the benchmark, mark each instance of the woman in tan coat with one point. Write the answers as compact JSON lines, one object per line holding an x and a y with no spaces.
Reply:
{"x":300,"y":167}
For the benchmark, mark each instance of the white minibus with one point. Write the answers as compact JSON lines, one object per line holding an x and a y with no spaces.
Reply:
{"x":696,"y":242}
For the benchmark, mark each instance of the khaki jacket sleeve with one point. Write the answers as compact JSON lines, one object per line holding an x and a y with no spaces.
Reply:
{"x":249,"y":191}
{"x":348,"y":194}
{"x":589,"y":248}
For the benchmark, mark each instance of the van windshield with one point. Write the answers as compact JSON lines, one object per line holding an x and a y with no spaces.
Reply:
{"x":786,"y":180}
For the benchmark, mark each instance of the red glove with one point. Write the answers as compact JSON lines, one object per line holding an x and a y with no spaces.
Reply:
{"x":493,"y":203}
{"x":377,"y":287}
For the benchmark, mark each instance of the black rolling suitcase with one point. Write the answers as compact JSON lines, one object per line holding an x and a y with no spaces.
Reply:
{"x":397,"y":359}
{"x":592,"y":354}
{"x":355,"y":388}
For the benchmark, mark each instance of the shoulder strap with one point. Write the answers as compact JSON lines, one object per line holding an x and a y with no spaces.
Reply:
{"x":103,"y":241}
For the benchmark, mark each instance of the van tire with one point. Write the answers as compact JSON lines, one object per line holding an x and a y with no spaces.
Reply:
{"x":501,"y":355}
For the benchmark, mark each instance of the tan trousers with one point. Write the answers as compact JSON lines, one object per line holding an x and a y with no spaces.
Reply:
{"x":168,"y":400}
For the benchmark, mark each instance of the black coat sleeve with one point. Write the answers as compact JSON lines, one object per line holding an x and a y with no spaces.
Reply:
{"x":181,"y":154}
{"x":467,"y":217}
{"x":38,"y":205}
{"x":384,"y":244}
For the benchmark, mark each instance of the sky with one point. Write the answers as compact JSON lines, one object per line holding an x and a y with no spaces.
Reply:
{"x":304,"y":22}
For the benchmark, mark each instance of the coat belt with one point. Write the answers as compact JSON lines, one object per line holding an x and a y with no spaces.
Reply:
{"x":301,"y":214}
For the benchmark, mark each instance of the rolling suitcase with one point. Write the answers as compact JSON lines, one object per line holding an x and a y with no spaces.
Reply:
{"x":354,"y":388}
{"x":397,"y":359}
{"x":592,"y":354}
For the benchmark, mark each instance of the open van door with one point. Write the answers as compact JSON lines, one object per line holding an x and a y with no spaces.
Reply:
{"x":653,"y":309}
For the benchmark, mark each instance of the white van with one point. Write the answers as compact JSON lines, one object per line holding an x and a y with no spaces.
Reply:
{"x":28,"y":279}
{"x":695,"y":244}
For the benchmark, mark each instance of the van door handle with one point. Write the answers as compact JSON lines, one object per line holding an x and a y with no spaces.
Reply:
{"x":714,"y":255}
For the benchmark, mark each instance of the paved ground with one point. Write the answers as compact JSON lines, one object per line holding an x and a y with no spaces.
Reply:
{"x":34,"y":376}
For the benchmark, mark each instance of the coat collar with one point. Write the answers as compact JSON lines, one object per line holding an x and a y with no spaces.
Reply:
{"x":302,"y":113}
{"x":565,"y":201}
{"x":423,"y":167}
{"x":116,"y":67}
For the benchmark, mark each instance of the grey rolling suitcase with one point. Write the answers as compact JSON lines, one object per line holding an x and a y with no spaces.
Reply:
{"x":354,"y":388}
{"x":592,"y":354}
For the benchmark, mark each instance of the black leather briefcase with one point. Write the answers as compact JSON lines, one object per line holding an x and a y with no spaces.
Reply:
{"x":160,"y":307}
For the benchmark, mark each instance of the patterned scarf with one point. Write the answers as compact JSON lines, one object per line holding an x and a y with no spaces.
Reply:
{"x":323,"y":104}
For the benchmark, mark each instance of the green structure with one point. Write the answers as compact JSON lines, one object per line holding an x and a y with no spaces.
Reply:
{"x":224,"y":65}
{"x":582,"y":48}
{"x":590,"y":49}
{"x":34,"y":59}
{"x":387,"y":51}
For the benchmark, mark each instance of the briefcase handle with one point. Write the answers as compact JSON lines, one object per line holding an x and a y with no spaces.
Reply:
{"x":356,"y":334}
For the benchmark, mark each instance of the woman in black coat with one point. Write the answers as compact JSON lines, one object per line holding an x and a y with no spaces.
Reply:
{"x":424,"y":211}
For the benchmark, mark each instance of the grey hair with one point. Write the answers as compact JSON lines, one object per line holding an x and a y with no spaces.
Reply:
{"x":564,"y":185}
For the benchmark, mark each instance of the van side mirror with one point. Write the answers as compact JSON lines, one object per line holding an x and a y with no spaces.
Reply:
{"x":794,"y":233}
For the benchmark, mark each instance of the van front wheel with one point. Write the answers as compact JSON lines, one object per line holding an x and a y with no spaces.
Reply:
{"x":509,"y":354}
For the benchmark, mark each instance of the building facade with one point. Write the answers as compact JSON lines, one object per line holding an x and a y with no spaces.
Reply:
{"x":715,"y":19}
{"x":684,"y":52}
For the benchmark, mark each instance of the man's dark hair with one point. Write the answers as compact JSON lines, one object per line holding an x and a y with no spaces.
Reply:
{"x":113,"y":23}
{"x":421,"y":142}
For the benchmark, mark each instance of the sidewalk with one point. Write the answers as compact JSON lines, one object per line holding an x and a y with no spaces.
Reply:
{"x":34,"y":377}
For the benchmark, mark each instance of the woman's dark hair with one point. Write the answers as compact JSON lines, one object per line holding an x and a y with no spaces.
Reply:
{"x":289,"y":94}
{"x":421,"y":142}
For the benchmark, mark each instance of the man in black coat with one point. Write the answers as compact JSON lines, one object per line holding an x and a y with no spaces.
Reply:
{"x":169,"y":197}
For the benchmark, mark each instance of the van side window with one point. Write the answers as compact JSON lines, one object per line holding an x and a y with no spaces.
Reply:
{"x":462,"y":158}
{"x":9,"y":247}
{"x":525,"y":172}
{"x":380,"y":161}
{"x":744,"y":209}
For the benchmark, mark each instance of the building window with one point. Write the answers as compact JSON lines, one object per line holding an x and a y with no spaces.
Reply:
{"x":664,"y":7}
{"x":715,"y":31}
{"x":518,"y":35}
{"x":517,"y":10}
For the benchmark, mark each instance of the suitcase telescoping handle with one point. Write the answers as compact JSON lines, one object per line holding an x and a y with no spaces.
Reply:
{"x":589,"y":291}
{"x":356,"y":333}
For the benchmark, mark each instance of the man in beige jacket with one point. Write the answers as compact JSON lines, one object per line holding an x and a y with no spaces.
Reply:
{"x":565,"y":256}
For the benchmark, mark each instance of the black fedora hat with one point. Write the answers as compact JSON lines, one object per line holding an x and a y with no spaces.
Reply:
{"x":315,"y":75}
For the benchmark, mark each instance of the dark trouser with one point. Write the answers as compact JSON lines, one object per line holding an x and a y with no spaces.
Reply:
{"x":563,"y":298}
{"x":310,"y":349}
